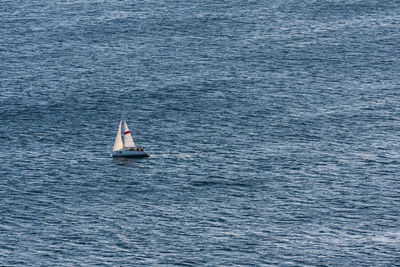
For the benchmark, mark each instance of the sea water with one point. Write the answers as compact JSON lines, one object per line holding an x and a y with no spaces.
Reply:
{"x":273,"y":128}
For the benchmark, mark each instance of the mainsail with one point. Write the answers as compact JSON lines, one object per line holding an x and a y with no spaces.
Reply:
{"x":118,"y":139}
{"x":128,"y":141}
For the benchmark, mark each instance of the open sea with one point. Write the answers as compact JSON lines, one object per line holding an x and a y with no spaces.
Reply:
{"x":273,"y":128}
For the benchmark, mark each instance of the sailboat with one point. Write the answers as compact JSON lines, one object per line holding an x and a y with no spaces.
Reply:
{"x":126,"y":148}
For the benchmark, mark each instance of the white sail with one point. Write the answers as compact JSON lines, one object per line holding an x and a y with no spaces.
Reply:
{"x":118,"y":139}
{"x":128,"y":137}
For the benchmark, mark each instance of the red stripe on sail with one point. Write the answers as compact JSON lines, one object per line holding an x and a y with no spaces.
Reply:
{"x":127,"y":132}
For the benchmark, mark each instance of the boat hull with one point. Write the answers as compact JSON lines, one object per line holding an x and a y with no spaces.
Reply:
{"x":130,"y":154}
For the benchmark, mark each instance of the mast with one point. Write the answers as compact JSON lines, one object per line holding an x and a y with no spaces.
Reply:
{"x":118,"y":145}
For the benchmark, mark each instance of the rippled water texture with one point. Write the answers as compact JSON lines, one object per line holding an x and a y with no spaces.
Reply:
{"x":273,"y":128}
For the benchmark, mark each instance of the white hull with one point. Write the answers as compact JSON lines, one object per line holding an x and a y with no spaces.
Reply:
{"x":130,"y":154}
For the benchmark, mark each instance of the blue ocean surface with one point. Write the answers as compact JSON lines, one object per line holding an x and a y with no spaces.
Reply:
{"x":273,"y":128}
